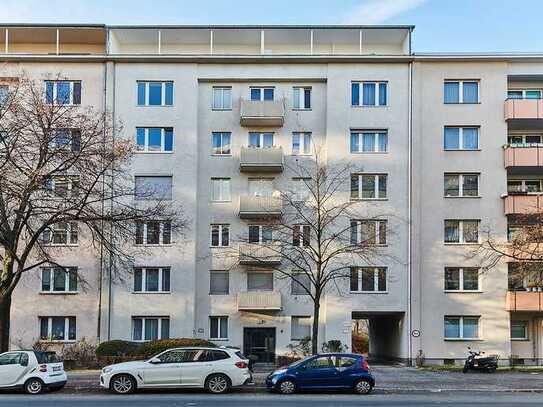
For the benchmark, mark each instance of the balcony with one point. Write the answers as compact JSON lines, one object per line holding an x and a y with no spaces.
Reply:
{"x":522,"y":160}
{"x":259,"y":207}
{"x":524,"y":301}
{"x":522,"y":204}
{"x":261,"y":159}
{"x":259,"y":301}
{"x":267,"y":113}
{"x":524,"y":114}
{"x":255,"y":254}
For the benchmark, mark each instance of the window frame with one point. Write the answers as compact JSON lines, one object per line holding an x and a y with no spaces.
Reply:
{"x":144,"y":320}
{"x":526,"y":324}
{"x":69,"y":271}
{"x":229,"y":188}
{"x":298,"y":318}
{"x":261,"y":135}
{"x":523,"y":91}
{"x":359,"y":274}
{"x":461,"y":285}
{"x":67,"y":325}
{"x":72,"y":182}
{"x":359,"y":134}
{"x":220,"y":227}
{"x":262,"y":91}
{"x":144,"y":271}
{"x":460,"y":83}
{"x":299,"y":232}
{"x":146,"y":149}
{"x":268,"y":274}
{"x":227,"y":273}
{"x":301,"y":143}
{"x":295,"y":283}
{"x":152,"y":197}
{"x":461,"y":176}
{"x":461,"y":237}
{"x":377,"y":95}
{"x":377,"y":231}
{"x":300,"y":189}
{"x":162,"y":96}
{"x":461,"y":138}
{"x":145,"y":233}
{"x":221,"y":89}
{"x":461,"y":328}
{"x":220,"y":320}
{"x":301,"y":98}
{"x":55,"y":83}
{"x":71,"y":234}
{"x":222,"y":145}
{"x":376,"y":188}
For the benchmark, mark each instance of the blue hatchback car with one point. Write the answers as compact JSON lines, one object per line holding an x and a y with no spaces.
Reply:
{"x":321,"y":372}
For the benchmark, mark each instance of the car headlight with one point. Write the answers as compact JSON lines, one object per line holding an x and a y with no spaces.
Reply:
{"x":107,"y":369}
{"x":280,"y":371}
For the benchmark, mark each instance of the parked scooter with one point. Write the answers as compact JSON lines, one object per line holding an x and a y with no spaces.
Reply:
{"x":474,"y":361}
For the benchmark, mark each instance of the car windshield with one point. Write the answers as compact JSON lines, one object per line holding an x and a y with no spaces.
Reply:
{"x":299,"y":362}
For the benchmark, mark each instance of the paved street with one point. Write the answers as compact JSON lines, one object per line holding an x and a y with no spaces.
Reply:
{"x":267,"y":400}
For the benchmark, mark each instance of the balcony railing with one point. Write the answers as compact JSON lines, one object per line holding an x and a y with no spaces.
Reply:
{"x":522,"y":204}
{"x":256,"y":207}
{"x":259,"y":301}
{"x":255,"y":254}
{"x":524,"y":301}
{"x":523,"y":109}
{"x":529,"y":156}
{"x":262,"y":113}
{"x":269,"y":159}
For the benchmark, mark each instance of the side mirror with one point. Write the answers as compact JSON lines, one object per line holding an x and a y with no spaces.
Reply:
{"x":154,"y":360}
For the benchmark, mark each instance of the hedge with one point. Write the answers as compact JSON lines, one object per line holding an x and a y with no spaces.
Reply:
{"x":127,"y":349}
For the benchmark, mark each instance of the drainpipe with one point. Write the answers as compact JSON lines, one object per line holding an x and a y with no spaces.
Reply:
{"x":409,"y":215}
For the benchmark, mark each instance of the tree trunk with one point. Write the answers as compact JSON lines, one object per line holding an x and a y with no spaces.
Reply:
{"x":5,"y":308}
{"x":315,"y":327}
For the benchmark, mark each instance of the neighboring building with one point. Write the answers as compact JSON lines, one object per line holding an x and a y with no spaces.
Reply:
{"x":217,"y":111}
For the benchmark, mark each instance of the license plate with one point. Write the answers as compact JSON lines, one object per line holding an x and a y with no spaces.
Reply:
{"x":56,"y":369}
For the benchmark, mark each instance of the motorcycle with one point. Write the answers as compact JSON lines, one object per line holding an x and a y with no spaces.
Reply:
{"x":475,"y":361}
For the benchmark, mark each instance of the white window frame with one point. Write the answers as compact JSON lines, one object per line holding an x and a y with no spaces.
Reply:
{"x":461,"y":327}
{"x":461,"y":91}
{"x":162,"y":93}
{"x":160,"y":280}
{"x":461,"y":184}
{"x":526,"y":330}
{"x":261,"y":139}
{"x":300,"y":189}
{"x":376,"y":191}
{"x":51,"y":271}
{"x":222,"y":90}
{"x":160,"y":238}
{"x":376,"y":290}
{"x":461,"y":138}
{"x":301,"y":97}
{"x":461,"y":280}
{"x":302,"y":144}
{"x":223,"y":181}
{"x":220,"y":320}
{"x":211,"y":272}
{"x":523,"y":187}
{"x":66,"y":328}
{"x":220,"y":227}
{"x":146,"y":140}
{"x":222,"y":133}
{"x":55,"y":91}
{"x":360,"y":135}
{"x":377,"y":93}
{"x":524,"y":90}
{"x":377,"y":230}
{"x":52,"y":183}
{"x":266,"y":290}
{"x":262,"y":92}
{"x":524,"y":143}
{"x":301,"y":228}
{"x":461,"y":239}
{"x":260,"y":229}
{"x":70,"y":232}
{"x":293,"y":282}
{"x":144,"y":319}
{"x":309,"y":318}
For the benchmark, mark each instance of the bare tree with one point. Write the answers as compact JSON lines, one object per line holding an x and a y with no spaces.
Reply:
{"x":319,"y":235}
{"x":64,"y":169}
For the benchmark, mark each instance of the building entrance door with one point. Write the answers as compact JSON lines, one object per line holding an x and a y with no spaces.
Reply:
{"x":259,"y":344}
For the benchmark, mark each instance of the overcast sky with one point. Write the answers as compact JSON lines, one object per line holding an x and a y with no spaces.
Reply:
{"x":441,"y":25}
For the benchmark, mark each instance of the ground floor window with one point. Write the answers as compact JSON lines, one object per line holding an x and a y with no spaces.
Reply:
{"x":57,"y":328}
{"x":218,"y":327}
{"x":457,"y":327}
{"x":150,"y":328}
{"x":519,"y":330}
{"x":300,"y":327}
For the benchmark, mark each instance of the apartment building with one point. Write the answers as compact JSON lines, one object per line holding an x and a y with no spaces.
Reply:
{"x":449,"y":144}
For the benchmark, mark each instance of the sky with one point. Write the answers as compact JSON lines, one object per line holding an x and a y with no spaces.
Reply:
{"x":441,"y":25}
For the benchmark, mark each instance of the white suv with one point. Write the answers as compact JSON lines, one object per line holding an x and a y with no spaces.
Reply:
{"x":32,"y":371}
{"x":215,"y":369}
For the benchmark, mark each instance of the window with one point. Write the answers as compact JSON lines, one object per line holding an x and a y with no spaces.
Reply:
{"x":62,"y":234}
{"x":153,"y":187}
{"x":301,"y":235}
{"x":301,"y":143}
{"x":262,"y":93}
{"x":153,"y":233}
{"x":58,"y":279}
{"x":151,"y":279}
{"x":300,"y":284}
{"x":63,"y":186}
{"x":301,"y":98}
{"x":222,"y":98}
{"x":461,"y":185}
{"x":154,"y":139}
{"x":461,"y":327}
{"x":150,"y":328}
{"x":519,"y":330}
{"x":369,"y":141}
{"x":368,"y":279}
{"x":369,"y":93}
{"x":220,"y":189}
{"x":66,"y":139}
{"x":260,"y":140}
{"x":261,"y":187}
{"x":13,"y":358}
{"x":260,"y":234}
{"x":368,"y":186}
{"x":461,"y":138}
{"x":301,"y":189}
{"x":218,"y":327}
{"x":155,"y":93}
{"x":63,"y":92}
{"x":57,"y":328}
{"x":221,"y":143}
{"x":4,"y":94}
{"x":461,"y":231}
{"x":220,"y":235}
{"x":300,"y":328}
{"x":524,"y":94}
{"x":461,"y":279}
{"x":219,"y":282}
{"x":369,"y":232}
{"x":461,"y":92}
{"x":524,"y":140}
{"x":212,"y":355}
{"x":322,"y":362}
{"x":259,"y":281}
{"x":532,"y":186}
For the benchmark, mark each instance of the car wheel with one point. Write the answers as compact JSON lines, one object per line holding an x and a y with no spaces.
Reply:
{"x":217,"y":384}
{"x":34,"y":386}
{"x":287,"y":387}
{"x":123,"y":384}
{"x":362,"y":387}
